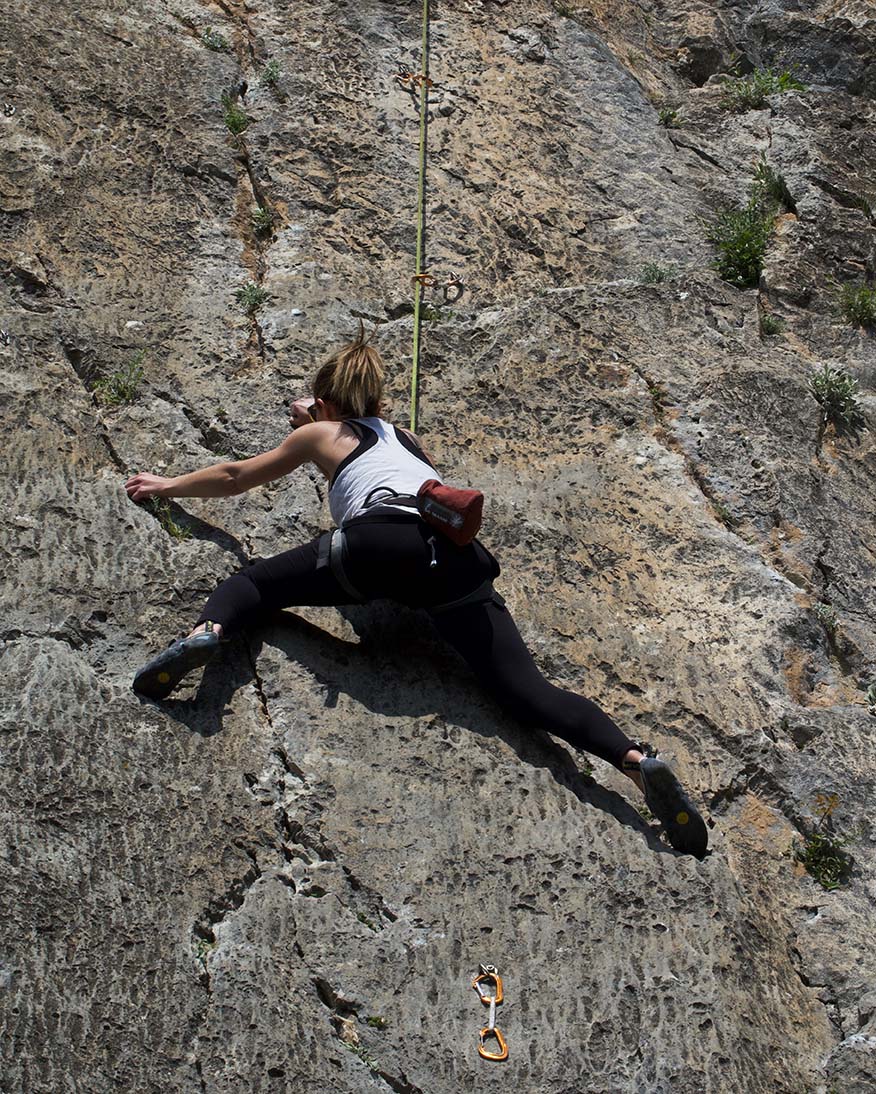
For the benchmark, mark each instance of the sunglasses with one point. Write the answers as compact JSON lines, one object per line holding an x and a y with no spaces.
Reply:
{"x":312,"y":409}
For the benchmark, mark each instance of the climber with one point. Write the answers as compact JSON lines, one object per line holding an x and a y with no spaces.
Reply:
{"x":389,"y":551}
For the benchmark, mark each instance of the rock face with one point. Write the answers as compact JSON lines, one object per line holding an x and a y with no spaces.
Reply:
{"x":284,"y":878}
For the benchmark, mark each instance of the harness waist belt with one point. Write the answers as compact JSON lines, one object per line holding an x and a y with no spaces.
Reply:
{"x":332,"y":553}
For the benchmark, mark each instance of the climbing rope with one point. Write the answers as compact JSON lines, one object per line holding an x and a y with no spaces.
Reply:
{"x":424,"y":84}
{"x":420,"y":83}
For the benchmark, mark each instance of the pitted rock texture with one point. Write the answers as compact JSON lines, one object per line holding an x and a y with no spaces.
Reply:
{"x":284,"y":877}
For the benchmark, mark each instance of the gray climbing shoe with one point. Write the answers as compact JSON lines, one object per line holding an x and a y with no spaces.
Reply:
{"x":671,"y":805}
{"x":160,"y":676}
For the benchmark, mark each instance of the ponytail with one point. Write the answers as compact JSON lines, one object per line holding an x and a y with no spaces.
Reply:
{"x":352,"y":378}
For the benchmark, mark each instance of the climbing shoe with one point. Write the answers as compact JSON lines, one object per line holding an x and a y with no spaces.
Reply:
{"x":670,"y":804}
{"x":158,"y":679}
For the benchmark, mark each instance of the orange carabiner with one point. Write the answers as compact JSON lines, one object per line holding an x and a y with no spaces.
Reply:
{"x":502,"y":1054}
{"x":487,"y":999}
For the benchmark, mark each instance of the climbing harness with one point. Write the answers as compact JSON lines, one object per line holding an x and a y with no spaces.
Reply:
{"x":333,"y":553}
{"x":490,"y":972}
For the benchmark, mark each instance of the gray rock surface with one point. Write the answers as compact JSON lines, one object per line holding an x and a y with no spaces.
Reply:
{"x":217,"y":893}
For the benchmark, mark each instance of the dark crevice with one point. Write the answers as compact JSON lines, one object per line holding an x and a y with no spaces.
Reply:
{"x":260,"y":691}
{"x":229,"y":901}
{"x":696,"y":151}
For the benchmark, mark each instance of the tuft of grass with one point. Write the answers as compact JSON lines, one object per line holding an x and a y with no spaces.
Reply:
{"x":564,"y":9}
{"x":822,"y":854}
{"x":771,"y":325}
{"x":212,"y":39}
{"x":235,"y":116}
{"x":270,"y":74}
{"x":262,"y":219}
{"x":376,"y":1021}
{"x":668,"y":118}
{"x":362,"y":1053}
{"x":652,"y":273}
{"x":121,"y":386}
{"x":723,"y":514}
{"x":751,"y":92}
{"x":827,"y":616}
{"x":160,"y":509}
{"x":837,"y":394}
{"x":251,"y":297}
{"x":857,"y":304}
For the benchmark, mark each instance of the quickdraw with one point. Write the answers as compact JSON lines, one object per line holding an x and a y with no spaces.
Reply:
{"x":490,"y":972}
{"x":451,"y":290}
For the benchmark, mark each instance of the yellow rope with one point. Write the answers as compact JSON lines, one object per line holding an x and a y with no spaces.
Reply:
{"x":421,"y":219}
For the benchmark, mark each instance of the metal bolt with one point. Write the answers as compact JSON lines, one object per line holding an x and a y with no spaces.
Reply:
{"x":8,"y":110}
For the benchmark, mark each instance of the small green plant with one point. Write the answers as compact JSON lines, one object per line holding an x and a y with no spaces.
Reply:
{"x":857,"y":303}
{"x":770,"y":325}
{"x":822,"y":854}
{"x":203,"y":949}
{"x":826,"y":613}
{"x":741,"y":236}
{"x":723,"y":514}
{"x":234,"y":115}
{"x":212,"y":39}
{"x":368,"y":923}
{"x":160,"y":509}
{"x":751,"y":92}
{"x":652,"y":273}
{"x":668,"y":118}
{"x":221,"y":413}
{"x":871,"y":698}
{"x":376,"y":1021}
{"x":659,"y":394}
{"x":773,"y":184}
{"x":251,"y":297}
{"x":121,"y":386}
{"x":865,"y":204}
{"x":564,"y":9}
{"x":270,"y":74}
{"x":362,"y":1053}
{"x":837,"y":394}
{"x":262,"y":219}
{"x":431,"y":313}
{"x":645,"y":813}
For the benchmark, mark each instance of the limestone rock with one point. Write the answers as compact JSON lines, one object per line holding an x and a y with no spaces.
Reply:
{"x":284,"y":878}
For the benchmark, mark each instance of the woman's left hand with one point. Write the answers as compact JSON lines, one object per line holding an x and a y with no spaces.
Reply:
{"x":143,"y":485}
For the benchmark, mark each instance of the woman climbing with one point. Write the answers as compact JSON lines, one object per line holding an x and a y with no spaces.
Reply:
{"x":387,"y":550}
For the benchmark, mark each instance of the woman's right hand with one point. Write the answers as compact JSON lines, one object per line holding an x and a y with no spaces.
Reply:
{"x":142,"y":486}
{"x":300,"y":413}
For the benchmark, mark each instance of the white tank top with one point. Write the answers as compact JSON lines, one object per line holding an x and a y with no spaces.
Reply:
{"x":384,"y":457}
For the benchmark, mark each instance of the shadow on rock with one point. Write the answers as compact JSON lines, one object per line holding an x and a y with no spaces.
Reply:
{"x":400,"y":668}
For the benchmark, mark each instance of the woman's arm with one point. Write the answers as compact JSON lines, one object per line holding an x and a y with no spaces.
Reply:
{"x":224,"y":480}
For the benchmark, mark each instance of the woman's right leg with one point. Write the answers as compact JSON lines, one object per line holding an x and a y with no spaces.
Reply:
{"x":286,"y":580}
{"x":487,"y":638}
{"x":489,"y":641}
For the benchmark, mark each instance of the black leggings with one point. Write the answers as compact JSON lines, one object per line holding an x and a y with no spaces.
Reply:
{"x":390,"y":557}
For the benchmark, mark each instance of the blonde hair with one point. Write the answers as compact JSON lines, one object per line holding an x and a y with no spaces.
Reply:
{"x":352,"y":378}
